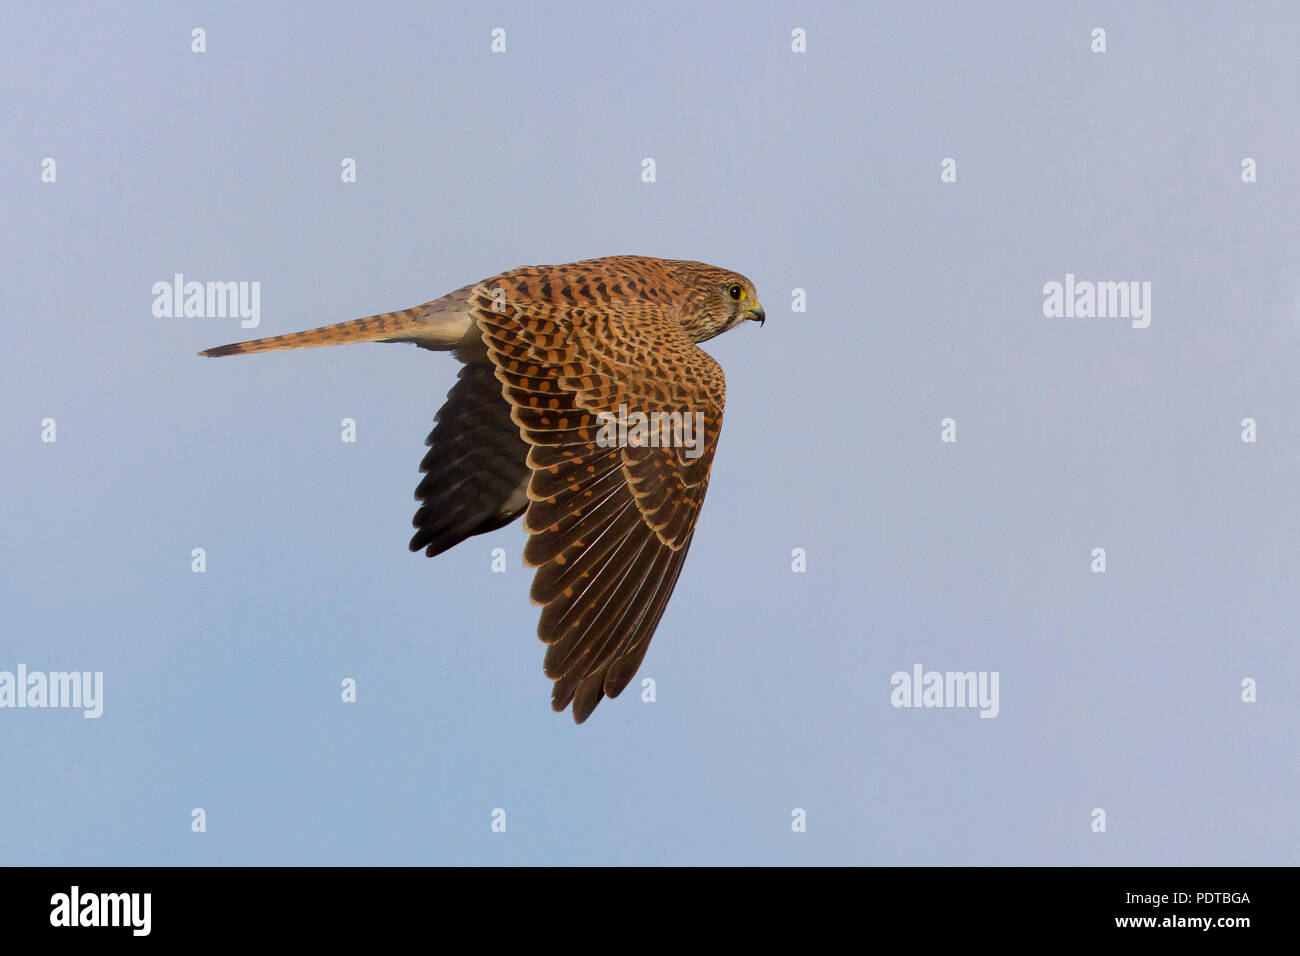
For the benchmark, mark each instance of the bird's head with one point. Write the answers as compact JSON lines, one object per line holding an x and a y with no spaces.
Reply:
{"x":716,"y":300}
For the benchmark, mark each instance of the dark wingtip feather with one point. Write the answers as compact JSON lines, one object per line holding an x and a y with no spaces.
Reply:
{"x":590,"y":692}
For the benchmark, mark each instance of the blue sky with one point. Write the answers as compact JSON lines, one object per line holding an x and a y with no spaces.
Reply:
{"x":817,"y":171}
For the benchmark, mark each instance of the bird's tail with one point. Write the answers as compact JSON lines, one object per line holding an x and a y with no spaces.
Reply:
{"x":442,"y":324}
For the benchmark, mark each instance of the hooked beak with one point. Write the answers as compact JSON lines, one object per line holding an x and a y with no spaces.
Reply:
{"x":757,"y":314}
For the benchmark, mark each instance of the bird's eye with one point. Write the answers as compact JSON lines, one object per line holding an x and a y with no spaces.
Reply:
{"x":735,"y":292}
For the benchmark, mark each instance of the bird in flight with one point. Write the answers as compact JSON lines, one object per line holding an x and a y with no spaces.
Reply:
{"x":585,"y":404}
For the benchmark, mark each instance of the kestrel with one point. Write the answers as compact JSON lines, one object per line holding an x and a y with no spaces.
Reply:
{"x":564,"y":366}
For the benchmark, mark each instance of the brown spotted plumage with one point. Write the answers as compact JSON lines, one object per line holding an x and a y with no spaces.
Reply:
{"x":555,"y":358}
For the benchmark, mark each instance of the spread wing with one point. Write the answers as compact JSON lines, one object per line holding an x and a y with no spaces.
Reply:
{"x":475,"y":476}
{"x":609,"y":523}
